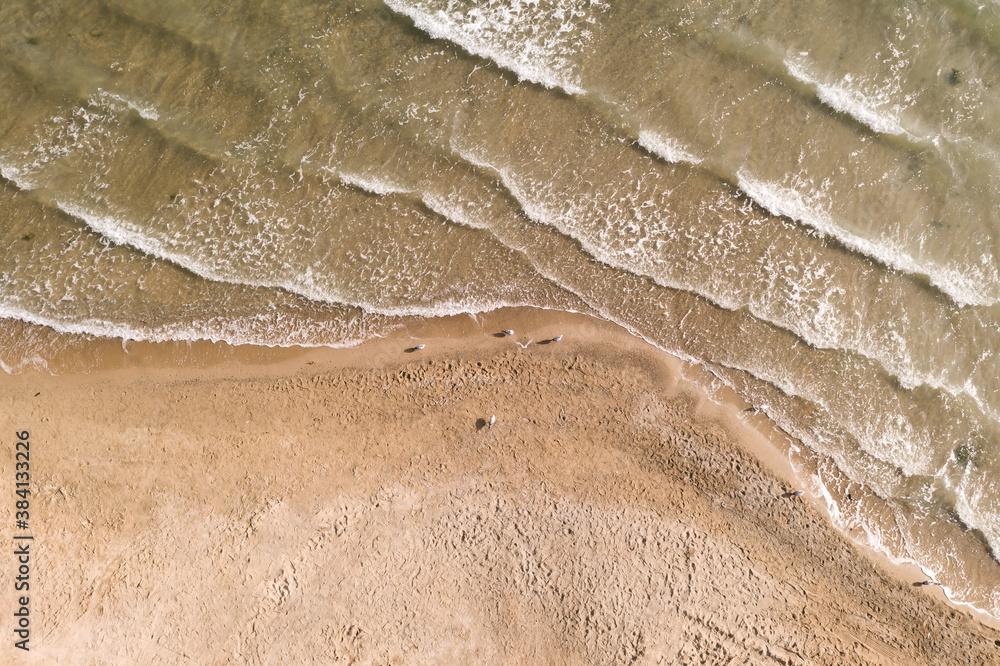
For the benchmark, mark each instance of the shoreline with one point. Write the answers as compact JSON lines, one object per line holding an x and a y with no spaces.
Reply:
{"x":464,"y":339}
{"x":764,"y":440}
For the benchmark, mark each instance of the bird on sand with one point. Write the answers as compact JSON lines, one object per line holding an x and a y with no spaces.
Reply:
{"x":419,"y":347}
{"x":508,"y":332}
{"x":557,"y":338}
{"x":798,"y":493}
{"x":930,"y":582}
{"x":493,"y":419}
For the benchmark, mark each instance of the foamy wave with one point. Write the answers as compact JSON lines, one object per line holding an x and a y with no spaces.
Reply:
{"x":848,"y":100}
{"x":876,"y":541}
{"x":108,"y":98}
{"x":666,"y":147}
{"x":883,"y":439}
{"x":16,"y":176}
{"x":855,"y":524}
{"x":369,"y":183}
{"x":456,"y":214}
{"x":817,"y":330}
{"x":787,"y":202}
{"x":265,"y":330}
{"x":305,"y":285}
{"x":125,"y":234}
{"x":439,"y":205}
{"x":975,"y":505}
{"x":533,"y":42}
{"x":35,"y":363}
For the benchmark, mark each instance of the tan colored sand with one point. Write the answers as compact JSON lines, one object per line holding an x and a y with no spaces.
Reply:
{"x":314,"y":512}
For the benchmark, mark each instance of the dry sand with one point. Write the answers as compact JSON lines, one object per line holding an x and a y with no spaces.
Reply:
{"x":351,"y":507}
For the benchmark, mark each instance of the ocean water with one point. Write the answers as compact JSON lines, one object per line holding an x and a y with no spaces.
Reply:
{"x":801,"y":198}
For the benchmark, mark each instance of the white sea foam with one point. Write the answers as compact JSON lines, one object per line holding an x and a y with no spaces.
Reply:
{"x":666,"y":147}
{"x":370,"y":183}
{"x":975,"y":502}
{"x":382,"y":186}
{"x":262,"y":330}
{"x":123,"y":233}
{"x":451,"y":212}
{"x":305,"y":284}
{"x":848,"y":99}
{"x":536,"y":43}
{"x":812,"y":211}
{"x":16,"y":176}
{"x":145,"y":110}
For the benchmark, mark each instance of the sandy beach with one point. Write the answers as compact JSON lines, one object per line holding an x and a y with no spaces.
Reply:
{"x":355,"y":507}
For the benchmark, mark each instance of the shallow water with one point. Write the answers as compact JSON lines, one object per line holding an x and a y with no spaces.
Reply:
{"x":800,"y":200}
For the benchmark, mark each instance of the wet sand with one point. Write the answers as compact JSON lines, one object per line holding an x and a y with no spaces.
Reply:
{"x":203,"y":505}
